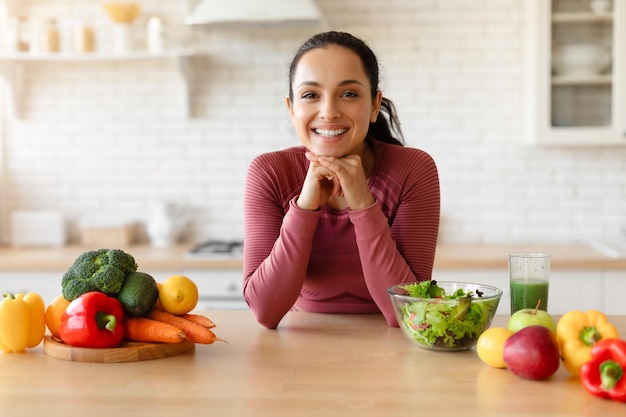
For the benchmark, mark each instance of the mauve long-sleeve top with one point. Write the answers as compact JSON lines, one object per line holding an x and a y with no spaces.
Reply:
{"x":337,"y":261}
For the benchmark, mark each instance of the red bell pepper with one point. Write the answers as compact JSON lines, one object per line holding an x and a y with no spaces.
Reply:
{"x":93,"y":320}
{"x":605,"y":374}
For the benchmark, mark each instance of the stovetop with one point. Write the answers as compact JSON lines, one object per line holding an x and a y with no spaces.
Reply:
{"x":216,"y":249}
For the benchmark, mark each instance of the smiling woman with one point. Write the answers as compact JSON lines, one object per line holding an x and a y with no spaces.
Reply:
{"x":333,"y":223}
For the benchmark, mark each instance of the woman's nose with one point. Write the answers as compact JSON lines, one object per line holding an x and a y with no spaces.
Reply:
{"x":329,"y":110}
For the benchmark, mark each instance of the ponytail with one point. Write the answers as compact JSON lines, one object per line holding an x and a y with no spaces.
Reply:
{"x":386,"y":128}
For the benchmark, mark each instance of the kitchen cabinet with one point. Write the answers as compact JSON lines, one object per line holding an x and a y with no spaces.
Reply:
{"x":46,"y":284}
{"x":13,"y":65}
{"x":575,"y":73}
{"x":219,"y":289}
{"x":614,"y":292}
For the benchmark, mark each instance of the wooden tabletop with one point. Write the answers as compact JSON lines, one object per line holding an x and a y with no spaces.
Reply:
{"x":312,"y":365}
{"x":448,"y":256}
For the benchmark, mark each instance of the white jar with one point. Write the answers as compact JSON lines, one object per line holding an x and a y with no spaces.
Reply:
{"x":166,"y":223}
{"x":122,"y":38}
{"x":155,"y":35}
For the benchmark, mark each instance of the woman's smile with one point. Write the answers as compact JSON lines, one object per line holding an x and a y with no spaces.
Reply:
{"x":330,"y":133}
{"x":326,"y":137}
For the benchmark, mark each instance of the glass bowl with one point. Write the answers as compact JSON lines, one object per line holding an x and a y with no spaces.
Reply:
{"x":446,"y":324}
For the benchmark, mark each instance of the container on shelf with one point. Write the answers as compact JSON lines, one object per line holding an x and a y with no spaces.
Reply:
{"x":600,"y":6}
{"x":16,"y":35}
{"x":46,"y":37}
{"x":84,"y":38}
{"x":122,"y":38}
{"x":583,"y":59}
{"x":155,"y":35}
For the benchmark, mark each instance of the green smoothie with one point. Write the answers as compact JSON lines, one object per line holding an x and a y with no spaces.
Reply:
{"x":525,"y":293}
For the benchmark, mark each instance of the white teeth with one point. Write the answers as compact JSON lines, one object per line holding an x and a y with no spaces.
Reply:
{"x":330,"y":133}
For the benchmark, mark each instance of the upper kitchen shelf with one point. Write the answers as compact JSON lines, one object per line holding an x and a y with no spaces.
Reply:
{"x":95,"y":56}
{"x":12,"y":67}
{"x":578,"y":17}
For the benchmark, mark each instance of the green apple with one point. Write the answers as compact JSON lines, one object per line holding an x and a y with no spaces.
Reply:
{"x":531,"y":317}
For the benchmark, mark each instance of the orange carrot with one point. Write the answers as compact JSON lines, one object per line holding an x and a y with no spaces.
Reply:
{"x":157,"y":305}
{"x":203,"y":321}
{"x":193,"y":331}
{"x":142,"y":329}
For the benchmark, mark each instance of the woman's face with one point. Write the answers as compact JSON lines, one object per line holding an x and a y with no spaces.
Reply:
{"x":332,"y":106}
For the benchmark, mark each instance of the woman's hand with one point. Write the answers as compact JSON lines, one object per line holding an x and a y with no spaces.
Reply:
{"x":331,"y":177}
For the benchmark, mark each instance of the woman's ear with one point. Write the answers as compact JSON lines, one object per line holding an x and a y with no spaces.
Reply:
{"x":289,"y":107}
{"x":376,"y":106}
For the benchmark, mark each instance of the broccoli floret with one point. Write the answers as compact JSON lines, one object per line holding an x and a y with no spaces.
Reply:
{"x":101,"y":270}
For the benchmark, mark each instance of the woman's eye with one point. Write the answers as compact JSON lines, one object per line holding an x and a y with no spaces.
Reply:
{"x":349,"y":94}
{"x":308,"y":95}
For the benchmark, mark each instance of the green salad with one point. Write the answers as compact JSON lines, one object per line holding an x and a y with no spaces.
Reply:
{"x":454,"y":322}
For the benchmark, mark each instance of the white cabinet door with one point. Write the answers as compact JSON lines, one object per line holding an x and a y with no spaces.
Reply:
{"x":219,"y":289}
{"x":568,"y":104}
{"x":614,"y":292}
{"x":46,"y":284}
{"x":569,"y":290}
{"x":575,"y":290}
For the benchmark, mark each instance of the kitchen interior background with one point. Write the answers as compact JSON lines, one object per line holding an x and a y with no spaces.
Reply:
{"x":102,"y":139}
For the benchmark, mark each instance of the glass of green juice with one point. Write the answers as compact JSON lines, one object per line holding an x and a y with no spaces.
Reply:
{"x":529,"y":279}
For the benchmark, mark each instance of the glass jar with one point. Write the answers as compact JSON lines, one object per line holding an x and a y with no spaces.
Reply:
{"x":84,"y":38}
{"x":15,"y":37}
{"x":46,"y":36}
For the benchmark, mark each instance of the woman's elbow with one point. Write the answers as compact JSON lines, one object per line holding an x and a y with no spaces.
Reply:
{"x":265,"y":317}
{"x":266,"y":320}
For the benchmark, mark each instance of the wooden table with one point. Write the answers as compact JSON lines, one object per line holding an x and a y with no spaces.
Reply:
{"x":312,"y":365}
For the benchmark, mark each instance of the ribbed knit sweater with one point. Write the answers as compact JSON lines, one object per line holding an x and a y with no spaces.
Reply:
{"x":337,"y":261}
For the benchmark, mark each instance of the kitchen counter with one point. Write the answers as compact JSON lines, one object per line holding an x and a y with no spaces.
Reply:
{"x":147,"y":257}
{"x":448,"y":256}
{"x":312,"y":365}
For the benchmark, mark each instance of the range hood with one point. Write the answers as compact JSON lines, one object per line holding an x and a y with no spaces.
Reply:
{"x":254,"y":12}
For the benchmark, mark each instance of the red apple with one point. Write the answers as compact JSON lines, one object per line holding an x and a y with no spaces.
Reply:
{"x":532,"y":353}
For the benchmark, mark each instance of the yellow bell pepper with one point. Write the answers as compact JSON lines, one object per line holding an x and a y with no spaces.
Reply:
{"x":22,"y":322}
{"x":577,"y":332}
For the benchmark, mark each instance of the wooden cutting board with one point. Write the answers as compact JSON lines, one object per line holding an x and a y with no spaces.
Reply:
{"x":126,"y":352}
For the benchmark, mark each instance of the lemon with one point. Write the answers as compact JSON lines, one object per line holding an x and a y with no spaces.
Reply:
{"x":178,"y":294}
{"x":490,"y":346}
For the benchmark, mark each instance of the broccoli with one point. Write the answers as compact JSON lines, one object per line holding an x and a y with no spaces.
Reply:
{"x":101,"y":270}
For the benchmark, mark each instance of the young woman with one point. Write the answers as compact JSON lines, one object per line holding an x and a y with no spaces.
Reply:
{"x":333,"y":223}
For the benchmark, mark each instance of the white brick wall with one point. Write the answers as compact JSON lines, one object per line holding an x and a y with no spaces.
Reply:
{"x":109,"y":137}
